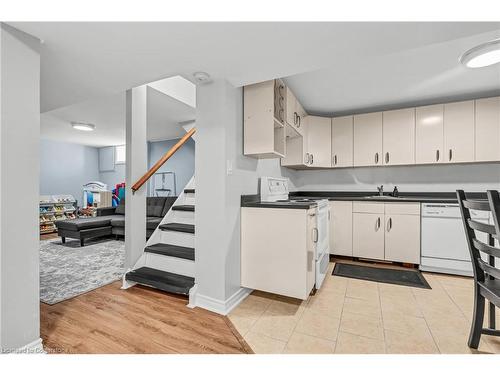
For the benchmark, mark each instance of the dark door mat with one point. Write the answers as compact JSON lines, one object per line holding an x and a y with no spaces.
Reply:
{"x":411,"y":278}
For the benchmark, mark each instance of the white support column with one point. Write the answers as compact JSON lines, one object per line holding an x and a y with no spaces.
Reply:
{"x":137,"y":156}
{"x":19,"y":191}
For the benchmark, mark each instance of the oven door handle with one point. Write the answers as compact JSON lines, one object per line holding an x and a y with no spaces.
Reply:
{"x":315,"y":235}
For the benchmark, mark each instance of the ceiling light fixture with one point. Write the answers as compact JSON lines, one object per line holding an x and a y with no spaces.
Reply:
{"x":485,"y":54}
{"x":83,"y":126}
{"x":202,"y":77}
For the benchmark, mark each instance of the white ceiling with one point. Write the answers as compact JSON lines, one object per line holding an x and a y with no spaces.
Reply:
{"x":81,"y":61}
{"x":164,"y":114}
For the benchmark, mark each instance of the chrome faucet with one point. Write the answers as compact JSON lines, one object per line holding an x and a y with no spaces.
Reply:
{"x":380,"y":190}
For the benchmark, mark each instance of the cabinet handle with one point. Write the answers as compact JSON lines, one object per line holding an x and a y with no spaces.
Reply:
{"x":300,"y":121}
{"x":281,"y":114}
{"x":376,"y":158}
{"x":450,"y":154}
{"x":307,"y":158}
{"x":295,"y":115}
{"x":386,"y":158}
{"x":312,"y":159}
{"x":315,"y":235}
{"x":335,"y":160}
{"x":389,"y":224}
{"x":437,"y":155}
{"x":377,"y":227}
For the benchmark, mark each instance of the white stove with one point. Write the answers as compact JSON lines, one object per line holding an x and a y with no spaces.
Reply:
{"x":274,"y":189}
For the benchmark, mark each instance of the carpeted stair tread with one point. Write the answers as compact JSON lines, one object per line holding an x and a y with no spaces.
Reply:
{"x":183,"y":207}
{"x":166,"y":281}
{"x":189,"y":191}
{"x":178,"y":227}
{"x":171,"y":250}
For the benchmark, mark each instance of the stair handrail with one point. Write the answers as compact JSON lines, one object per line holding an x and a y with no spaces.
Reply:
{"x":162,"y":160}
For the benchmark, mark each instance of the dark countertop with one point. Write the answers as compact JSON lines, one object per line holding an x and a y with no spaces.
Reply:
{"x":367,"y":196}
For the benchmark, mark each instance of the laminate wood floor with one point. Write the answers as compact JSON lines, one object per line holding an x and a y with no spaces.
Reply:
{"x":136,"y":320}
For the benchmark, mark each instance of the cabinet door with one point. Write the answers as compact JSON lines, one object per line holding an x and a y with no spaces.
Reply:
{"x":341,"y":228}
{"x":399,"y":137}
{"x":429,"y":134}
{"x":459,"y":132}
{"x":368,"y":139}
{"x":402,"y":238}
{"x":368,"y":235}
{"x":319,"y":139}
{"x":291,"y":110}
{"x":301,"y":113}
{"x":342,"y":141}
{"x":487,"y":129}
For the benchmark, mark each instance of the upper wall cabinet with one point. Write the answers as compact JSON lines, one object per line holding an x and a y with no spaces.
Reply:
{"x":399,"y":137}
{"x":368,"y":139}
{"x":294,"y":111}
{"x":488,"y":129}
{"x":264,"y":119}
{"x":429,"y":134}
{"x":319,"y":139}
{"x":342,"y":141}
{"x":459,"y":132}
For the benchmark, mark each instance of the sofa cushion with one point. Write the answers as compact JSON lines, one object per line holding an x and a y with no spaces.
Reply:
{"x":120,"y":209}
{"x":118,"y":221}
{"x":169,"y":202}
{"x":153,"y":222}
{"x":154,"y":206}
{"x":84,"y":223}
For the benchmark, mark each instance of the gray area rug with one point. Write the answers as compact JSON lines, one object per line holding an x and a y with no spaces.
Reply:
{"x":68,"y":270}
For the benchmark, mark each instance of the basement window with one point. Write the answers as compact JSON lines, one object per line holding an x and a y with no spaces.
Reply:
{"x":120,"y":154}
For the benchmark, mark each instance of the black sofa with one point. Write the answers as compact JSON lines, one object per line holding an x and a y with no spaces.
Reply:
{"x":111,"y":221}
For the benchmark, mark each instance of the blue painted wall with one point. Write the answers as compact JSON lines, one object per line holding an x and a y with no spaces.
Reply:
{"x":182,"y":163}
{"x":65,"y":167}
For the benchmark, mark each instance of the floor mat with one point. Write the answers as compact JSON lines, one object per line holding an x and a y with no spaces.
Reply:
{"x":68,"y":270}
{"x":413,"y":278}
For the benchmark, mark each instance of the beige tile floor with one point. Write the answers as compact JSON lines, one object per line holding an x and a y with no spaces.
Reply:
{"x":358,"y":317}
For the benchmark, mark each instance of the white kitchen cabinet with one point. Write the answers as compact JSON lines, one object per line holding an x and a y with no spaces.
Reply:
{"x":459,"y":132}
{"x":487,"y":140}
{"x":264,"y":120}
{"x":429,"y":134}
{"x":341,"y":228}
{"x":368,"y":235}
{"x":368,"y":139}
{"x":402,"y":232}
{"x":319,"y":140}
{"x":277,"y":250}
{"x":342,"y":141}
{"x":294,"y":111}
{"x":399,"y":137}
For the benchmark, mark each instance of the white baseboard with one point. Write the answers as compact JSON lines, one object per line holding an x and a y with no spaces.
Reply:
{"x":35,"y":347}
{"x":220,"y":306}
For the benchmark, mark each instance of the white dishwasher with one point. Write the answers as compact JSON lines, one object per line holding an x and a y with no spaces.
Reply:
{"x":443,"y":245}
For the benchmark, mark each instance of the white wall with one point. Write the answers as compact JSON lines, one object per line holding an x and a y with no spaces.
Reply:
{"x":19,"y":185}
{"x":219,"y":142}
{"x":441,"y":178}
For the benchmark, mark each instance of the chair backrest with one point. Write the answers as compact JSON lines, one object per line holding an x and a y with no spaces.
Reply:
{"x":492,"y":232}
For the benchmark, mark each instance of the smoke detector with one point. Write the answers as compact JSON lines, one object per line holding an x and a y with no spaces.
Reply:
{"x":202,"y":77}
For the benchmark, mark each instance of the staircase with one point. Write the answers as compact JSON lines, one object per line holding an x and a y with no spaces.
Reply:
{"x":168,"y":260}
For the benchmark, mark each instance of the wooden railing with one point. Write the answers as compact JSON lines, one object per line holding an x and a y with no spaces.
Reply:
{"x":162,"y":161}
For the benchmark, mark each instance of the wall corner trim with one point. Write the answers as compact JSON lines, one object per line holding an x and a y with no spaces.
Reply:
{"x":219,"y":306}
{"x":34,"y":347}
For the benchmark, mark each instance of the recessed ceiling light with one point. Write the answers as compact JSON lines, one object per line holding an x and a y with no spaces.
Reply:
{"x":485,"y":54}
{"x":83,"y":126}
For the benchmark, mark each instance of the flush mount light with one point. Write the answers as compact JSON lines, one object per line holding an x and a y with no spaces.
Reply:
{"x":202,"y":77}
{"x":485,"y":54}
{"x":83,"y":126}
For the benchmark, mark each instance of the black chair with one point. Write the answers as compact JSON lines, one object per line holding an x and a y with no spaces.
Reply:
{"x":486,"y":276}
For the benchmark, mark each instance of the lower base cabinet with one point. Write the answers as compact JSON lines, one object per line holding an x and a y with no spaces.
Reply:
{"x":402,"y":238}
{"x":386,"y":231}
{"x":341,"y":228}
